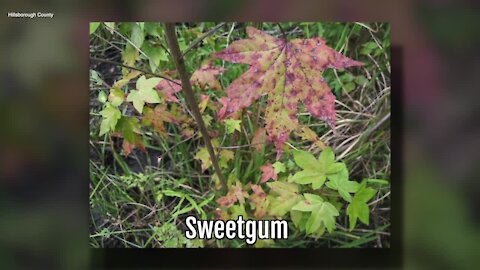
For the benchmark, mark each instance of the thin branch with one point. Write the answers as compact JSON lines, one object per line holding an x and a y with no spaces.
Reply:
{"x":187,"y":89}
{"x":134,"y":68}
{"x":202,"y":37}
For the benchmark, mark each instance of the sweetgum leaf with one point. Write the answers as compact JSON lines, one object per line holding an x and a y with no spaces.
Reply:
{"x":321,"y":213}
{"x":288,"y":72}
{"x":283,"y":196}
{"x":259,"y":200}
{"x":205,"y":77}
{"x":129,"y":129}
{"x":157,"y":117}
{"x":268,"y":172}
{"x":232,"y":125}
{"x":358,"y":208}
{"x":339,"y":181}
{"x":126,"y":79}
{"x":116,"y":96}
{"x":144,"y":93}
{"x":279,"y":167}
{"x":235,"y":193}
{"x":315,"y":171}
{"x":167,"y":90}
{"x":110,"y":116}
{"x":204,"y":158}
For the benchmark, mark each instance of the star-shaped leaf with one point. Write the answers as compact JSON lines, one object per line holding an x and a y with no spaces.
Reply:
{"x":110,"y":116}
{"x":279,"y":167}
{"x":204,"y":158}
{"x":167,"y":89}
{"x":283,"y":196}
{"x":235,"y":193}
{"x":129,"y":129}
{"x":260,"y":200}
{"x":205,"y":77}
{"x":358,"y":208}
{"x":288,"y":72}
{"x":339,"y":181}
{"x":321,"y":213}
{"x":315,"y":171}
{"x":157,"y":117}
{"x":232,"y":125}
{"x":145,"y":93}
{"x":268,"y":172}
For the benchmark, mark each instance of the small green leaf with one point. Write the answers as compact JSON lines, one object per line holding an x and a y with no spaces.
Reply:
{"x":102,"y":97}
{"x":339,"y":181}
{"x":358,"y":208}
{"x":232,"y":125}
{"x":116,"y":96}
{"x":110,"y":116}
{"x":137,"y":36}
{"x":155,"y":55}
{"x":279,"y":167}
{"x":322,"y":214}
{"x":144,"y":93}
{"x":130,"y":128}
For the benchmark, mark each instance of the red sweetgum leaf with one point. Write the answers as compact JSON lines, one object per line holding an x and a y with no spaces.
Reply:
{"x":167,"y":90}
{"x":157,"y":117}
{"x":128,"y":147}
{"x":235,"y":193}
{"x":288,"y":72}
{"x":205,"y":77}
{"x":268,"y":172}
{"x":260,"y":200}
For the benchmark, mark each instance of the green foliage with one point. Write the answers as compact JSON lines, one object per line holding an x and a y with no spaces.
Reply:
{"x":315,"y":171}
{"x":145,"y":93}
{"x":358,"y":208}
{"x":110,"y":116}
{"x":232,"y":125}
{"x":339,"y":181}
{"x":93,"y":27}
{"x":151,"y":192}
{"x":320,"y":214}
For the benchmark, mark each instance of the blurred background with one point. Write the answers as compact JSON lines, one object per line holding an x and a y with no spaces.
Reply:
{"x":44,"y":116}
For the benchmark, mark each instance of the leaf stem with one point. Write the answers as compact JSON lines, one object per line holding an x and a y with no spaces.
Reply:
{"x":187,"y":89}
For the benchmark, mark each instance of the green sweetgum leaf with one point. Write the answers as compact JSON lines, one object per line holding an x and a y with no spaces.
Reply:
{"x":232,"y":125}
{"x":321,"y":214}
{"x":315,"y":171}
{"x":110,"y":116}
{"x":358,"y":208}
{"x":116,"y":96}
{"x":339,"y":181}
{"x":145,"y":93}
{"x":279,"y":167}
{"x":283,"y":196}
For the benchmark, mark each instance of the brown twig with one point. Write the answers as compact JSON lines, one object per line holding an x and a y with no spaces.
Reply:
{"x":202,"y":37}
{"x":187,"y":89}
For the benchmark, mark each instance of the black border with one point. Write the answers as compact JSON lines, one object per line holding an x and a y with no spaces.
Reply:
{"x":120,"y":258}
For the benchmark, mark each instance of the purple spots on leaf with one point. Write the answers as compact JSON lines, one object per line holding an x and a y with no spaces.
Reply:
{"x":302,"y":58}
